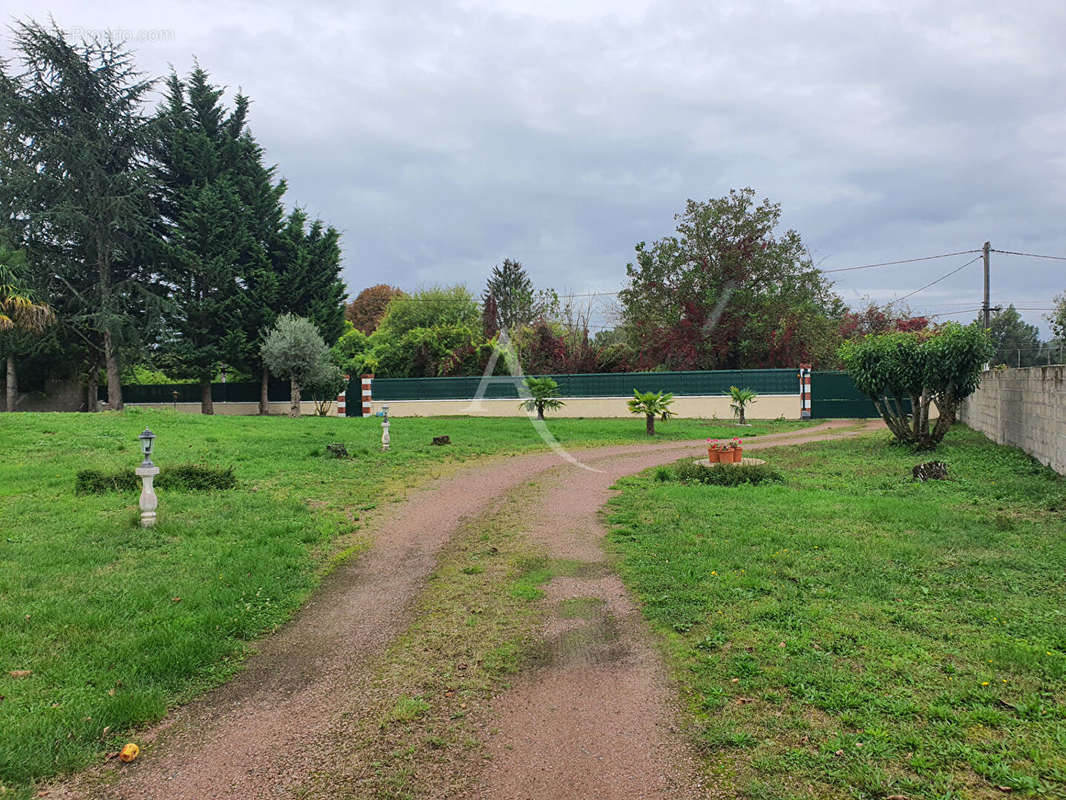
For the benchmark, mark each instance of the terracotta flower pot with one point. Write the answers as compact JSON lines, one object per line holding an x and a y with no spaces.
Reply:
{"x":712,"y":455}
{"x":738,"y":455}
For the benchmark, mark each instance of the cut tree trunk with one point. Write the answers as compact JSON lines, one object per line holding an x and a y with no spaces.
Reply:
{"x":294,"y":399}
{"x":114,"y":384}
{"x":649,"y":424}
{"x":12,"y":384}
{"x":207,"y":404}
{"x":264,"y":394}
{"x":92,"y":391}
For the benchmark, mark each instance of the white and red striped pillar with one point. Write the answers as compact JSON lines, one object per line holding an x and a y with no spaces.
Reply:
{"x":366,"y":380}
{"x":342,"y":408}
{"x":805,"y":391}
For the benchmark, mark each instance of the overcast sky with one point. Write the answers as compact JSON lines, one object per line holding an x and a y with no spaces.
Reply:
{"x":442,"y":138}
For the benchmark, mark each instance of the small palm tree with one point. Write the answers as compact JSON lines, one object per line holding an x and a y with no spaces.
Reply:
{"x":19,"y":308}
{"x":545,"y":394}
{"x":651,"y":405}
{"x":19,"y":311}
{"x":741,"y":399}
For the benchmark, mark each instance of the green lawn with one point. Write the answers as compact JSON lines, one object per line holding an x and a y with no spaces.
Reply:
{"x":852,"y":633}
{"x":117,"y":624}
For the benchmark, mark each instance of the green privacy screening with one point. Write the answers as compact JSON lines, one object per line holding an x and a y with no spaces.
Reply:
{"x":278,"y":392}
{"x":834,"y":396}
{"x":608,"y":384}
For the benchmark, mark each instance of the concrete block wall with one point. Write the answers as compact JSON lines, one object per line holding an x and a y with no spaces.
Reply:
{"x":1025,"y":408}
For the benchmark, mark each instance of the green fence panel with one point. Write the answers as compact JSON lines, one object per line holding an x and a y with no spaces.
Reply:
{"x":609,"y":384}
{"x":278,"y":391}
{"x":834,"y":396}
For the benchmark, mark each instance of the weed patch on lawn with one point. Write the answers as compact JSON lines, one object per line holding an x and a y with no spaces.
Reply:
{"x":181,"y":478}
{"x":855,"y":633}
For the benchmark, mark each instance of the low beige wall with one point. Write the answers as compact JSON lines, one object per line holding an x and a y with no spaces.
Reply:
{"x":1023,"y":407}
{"x":767,"y":406}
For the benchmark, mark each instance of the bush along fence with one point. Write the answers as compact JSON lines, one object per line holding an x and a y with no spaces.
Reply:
{"x":791,"y":393}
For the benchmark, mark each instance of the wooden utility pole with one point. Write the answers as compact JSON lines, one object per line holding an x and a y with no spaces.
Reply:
{"x":986,"y":250}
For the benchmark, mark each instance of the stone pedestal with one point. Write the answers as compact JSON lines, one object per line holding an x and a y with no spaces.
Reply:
{"x":149,"y":502}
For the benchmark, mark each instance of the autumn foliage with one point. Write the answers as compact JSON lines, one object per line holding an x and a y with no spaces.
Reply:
{"x":367,"y":309}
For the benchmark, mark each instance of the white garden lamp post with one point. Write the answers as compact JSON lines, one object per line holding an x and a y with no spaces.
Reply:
{"x":385,"y":429}
{"x":147,"y":472}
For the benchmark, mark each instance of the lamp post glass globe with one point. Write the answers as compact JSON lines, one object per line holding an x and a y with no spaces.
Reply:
{"x":147,"y":438}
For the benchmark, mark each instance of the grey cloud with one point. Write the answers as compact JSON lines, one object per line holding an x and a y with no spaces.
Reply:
{"x":441,"y":139}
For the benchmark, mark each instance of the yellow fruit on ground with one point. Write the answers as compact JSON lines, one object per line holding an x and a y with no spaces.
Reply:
{"x":129,"y":752}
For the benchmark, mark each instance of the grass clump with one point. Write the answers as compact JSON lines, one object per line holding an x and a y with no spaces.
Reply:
{"x":181,"y":477}
{"x":406,"y":709}
{"x":688,"y":471}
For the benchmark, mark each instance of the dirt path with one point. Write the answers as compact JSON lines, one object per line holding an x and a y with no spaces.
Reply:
{"x":594,"y":724}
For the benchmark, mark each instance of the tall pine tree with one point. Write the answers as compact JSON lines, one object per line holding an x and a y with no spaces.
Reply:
{"x":304,"y":280}
{"x":510,"y":287}
{"x":77,"y":195}
{"x":211,"y":193}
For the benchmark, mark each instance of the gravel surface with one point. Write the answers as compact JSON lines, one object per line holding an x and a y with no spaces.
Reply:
{"x":594,"y":722}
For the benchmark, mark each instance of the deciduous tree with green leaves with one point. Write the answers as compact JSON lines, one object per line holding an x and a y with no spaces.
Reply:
{"x":729,"y":290}
{"x":651,"y":405}
{"x":905,"y":373}
{"x":544,"y":395}
{"x":1016,"y":343}
{"x":1057,"y":318}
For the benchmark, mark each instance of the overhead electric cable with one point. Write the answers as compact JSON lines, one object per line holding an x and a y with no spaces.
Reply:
{"x":1029,"y":255}
{"x":901,"y":261}
{"x":938,"y":280}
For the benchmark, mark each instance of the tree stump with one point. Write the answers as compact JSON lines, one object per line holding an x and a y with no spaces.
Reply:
{"x":930,"y":471}
{"x":337,"y":450}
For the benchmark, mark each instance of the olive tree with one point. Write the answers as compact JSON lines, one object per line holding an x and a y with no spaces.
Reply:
{"x":294,"y":349}
{"x":907,"y":373}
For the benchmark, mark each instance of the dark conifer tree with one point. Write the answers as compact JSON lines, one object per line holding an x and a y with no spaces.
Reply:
{"x":77,"y":198}
{"x":213,"y":196}
{"x":512,"y":290}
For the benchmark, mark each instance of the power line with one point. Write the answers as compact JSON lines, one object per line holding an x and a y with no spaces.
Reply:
{"x":1029,"y":255}
{"x":938,"y":280}
{"x":901,"y":261}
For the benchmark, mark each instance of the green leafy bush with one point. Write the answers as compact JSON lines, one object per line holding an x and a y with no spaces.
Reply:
{"x":726,"y":474}
{"x":181,"y":477}
{"x":904,"y":373}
